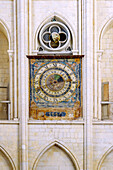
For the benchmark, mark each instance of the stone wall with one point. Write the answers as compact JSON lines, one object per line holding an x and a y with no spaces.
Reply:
{"x":84,"y":143}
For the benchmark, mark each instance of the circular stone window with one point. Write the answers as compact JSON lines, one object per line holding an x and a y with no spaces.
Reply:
{"x":54,"y":36}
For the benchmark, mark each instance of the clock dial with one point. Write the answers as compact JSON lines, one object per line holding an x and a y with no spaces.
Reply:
{"x":55,"y":82}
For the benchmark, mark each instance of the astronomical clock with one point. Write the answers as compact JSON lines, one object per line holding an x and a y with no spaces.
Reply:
{"x":55,"y":87}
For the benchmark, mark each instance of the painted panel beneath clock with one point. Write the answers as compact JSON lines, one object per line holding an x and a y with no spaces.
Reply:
{"x":55,"y":89}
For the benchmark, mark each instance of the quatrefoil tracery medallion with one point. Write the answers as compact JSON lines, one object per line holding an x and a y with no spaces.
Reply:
{"x":54,"y":36}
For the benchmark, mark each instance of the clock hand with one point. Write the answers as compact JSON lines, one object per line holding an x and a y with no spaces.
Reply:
{"x":56,"y":76}
{"x":68,"y":80}
{"x":59,"y":78}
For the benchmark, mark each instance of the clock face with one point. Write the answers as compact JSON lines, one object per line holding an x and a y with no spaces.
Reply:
{"x":55,"y":82}
{"x":55,"y":88}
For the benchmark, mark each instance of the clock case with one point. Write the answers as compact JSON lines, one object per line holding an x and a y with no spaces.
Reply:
{"x":41,"y":109}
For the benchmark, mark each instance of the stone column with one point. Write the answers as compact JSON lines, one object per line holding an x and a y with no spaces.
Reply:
{"x":22,"y":18}
{"x":99,"y":55}
{"x":10,"y":112}
{"x":95,"y":60}
{"x":15,"y":60}
{"x":30,"y":25}
{"x":80,"y":26}
{"x":87,"y":50}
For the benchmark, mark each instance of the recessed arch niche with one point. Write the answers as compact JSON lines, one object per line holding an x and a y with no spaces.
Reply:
{"x":106,"y":161}
{"x":55,"y":156}
{"x":107,"y":69}
{"x":4,"y":71}
{"x":6,"y":162}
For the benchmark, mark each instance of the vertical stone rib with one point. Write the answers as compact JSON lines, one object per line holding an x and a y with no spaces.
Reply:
{"x":15,"y":60}
{"x":22,"y":94}
{"x":95,"y":60}
{"x":88,"y":80}
{"x":80,"y":26}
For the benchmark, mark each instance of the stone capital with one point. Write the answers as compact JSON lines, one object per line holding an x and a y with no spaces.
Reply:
{"x":99,"y":55}
{"x":35,"y":52}
{"x":11,"y":54}
{"x":75,"y":52}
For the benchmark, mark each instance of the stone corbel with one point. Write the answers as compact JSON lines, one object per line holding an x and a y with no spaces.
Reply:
{"x":35,"y":52}
{"x":75,"y":52}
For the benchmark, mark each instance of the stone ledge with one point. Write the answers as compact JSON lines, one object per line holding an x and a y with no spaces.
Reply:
{"x":103,"y":123}
{"x":16,"y":122}
{"x":53,"y":122}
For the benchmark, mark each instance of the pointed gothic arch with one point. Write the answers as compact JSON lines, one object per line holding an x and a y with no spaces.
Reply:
{"x":61,"y":19}
{"x":62,"y":147}
{"x":5,"y":30}
{"x":104,"y":157}
{"x":102,"y":31}
{"x":7,"y":155}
